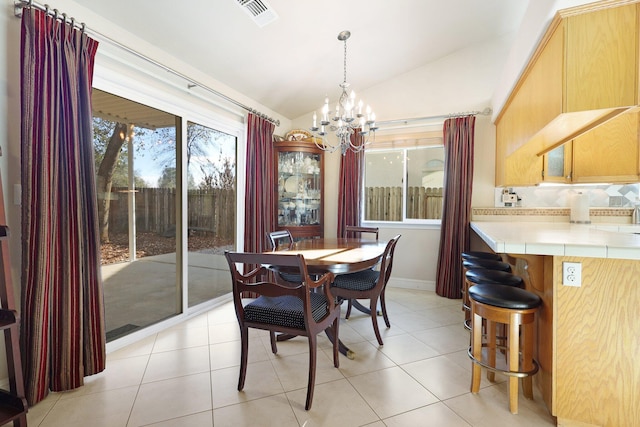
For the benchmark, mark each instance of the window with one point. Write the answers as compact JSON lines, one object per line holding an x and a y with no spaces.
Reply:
{"x":403,"y":180}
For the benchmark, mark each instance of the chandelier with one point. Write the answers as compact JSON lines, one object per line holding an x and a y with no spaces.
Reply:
{"x":348,"y":118}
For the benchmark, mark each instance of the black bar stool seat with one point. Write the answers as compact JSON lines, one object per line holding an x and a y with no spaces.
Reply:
{"x":488,"y":264}
{"x":482,"y":276}
{"x":480,"y":254}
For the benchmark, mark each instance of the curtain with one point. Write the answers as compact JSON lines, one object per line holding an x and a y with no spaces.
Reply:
{"x":260,"y":213}
{"x":456,"y":210}
{"x":63,"y":336}
{"x":350,"y":187}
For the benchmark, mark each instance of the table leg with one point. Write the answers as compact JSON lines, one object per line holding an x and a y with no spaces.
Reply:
{"x":341,"y":347}
{"x":356,"y":304}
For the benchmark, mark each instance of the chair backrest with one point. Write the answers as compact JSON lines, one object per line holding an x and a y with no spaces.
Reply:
{"x":354,"y":231}
{"x":281,"y":239}
{"x":259,"y":280}
{"x":386,"y":264}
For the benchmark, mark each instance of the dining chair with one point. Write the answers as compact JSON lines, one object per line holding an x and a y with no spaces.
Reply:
{"x":300,"y":309}
{"x":280,"y":239}
{"x":369,"y":284}
{"x":356,"y":231}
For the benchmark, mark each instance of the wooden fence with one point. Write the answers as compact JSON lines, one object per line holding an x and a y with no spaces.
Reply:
{"x":211,"y":211}
{"x":385,"y":203}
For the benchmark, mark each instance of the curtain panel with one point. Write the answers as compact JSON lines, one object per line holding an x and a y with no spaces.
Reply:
{"x":63,"y":336}
{"x":259,"y":214}
{"x":350,"y":185}
{"x":456,"y":209}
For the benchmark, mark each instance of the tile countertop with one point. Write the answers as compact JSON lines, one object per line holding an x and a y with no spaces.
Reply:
{"x":563,"y":239}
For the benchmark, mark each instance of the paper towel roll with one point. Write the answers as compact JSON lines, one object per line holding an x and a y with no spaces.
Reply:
{"x":579,"y":204}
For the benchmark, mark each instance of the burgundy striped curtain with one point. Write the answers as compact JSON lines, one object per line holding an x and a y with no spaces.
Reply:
{"x":350,"y":188}
{"x":259,"y":214}
{"x":456,"y":210}
{"x":63,"y":336}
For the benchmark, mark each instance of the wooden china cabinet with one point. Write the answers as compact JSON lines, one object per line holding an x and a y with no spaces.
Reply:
{"x":299,"y":188}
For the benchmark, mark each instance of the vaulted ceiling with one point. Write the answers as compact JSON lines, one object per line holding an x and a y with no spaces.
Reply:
{"x":291,"y":63}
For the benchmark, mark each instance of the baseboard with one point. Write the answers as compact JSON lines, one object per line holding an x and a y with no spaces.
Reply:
{"x":421,"y":285}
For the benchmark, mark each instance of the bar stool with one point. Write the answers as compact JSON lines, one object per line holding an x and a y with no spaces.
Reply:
{"x":478,"y":275}
{"x":469,"y":262}
{"x":480,"y":254}
{"x":515,"y":308}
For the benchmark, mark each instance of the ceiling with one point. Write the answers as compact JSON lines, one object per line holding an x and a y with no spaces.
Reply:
{"x":292,"y":63}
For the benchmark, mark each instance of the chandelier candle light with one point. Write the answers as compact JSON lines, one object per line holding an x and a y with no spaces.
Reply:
{"x":348,"y":118}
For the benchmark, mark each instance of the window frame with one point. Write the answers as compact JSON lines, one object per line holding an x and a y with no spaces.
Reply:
{"x":403,"y":143}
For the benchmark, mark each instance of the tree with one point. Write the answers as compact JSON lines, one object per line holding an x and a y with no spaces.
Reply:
{"x":104,"y":175}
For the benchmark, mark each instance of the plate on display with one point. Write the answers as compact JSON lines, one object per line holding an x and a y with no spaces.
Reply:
{"x":297,"y":135}
{"x":291,"y":184}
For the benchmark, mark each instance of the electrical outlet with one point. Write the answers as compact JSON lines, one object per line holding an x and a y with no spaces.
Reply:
{"x":572,"y":274}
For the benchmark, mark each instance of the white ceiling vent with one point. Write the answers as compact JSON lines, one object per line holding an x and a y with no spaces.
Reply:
{"x":259,"y":10}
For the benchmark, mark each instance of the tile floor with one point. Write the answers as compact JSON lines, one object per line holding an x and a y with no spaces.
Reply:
{"x":187,"y":376}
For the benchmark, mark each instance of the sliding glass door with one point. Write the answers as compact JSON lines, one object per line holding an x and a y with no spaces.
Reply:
{"x":136,"y":175}
{"x":211,"y":207}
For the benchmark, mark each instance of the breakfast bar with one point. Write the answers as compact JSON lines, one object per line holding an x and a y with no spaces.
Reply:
{"x":588,"y":328}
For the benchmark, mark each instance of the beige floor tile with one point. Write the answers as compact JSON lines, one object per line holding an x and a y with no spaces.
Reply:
{"x":436,"y":415}
{"x":177,"y":363}
{"x":266,"y":412}
{"x":181,"y":338}
{"x":421,"y":376}
{"x":172,"y":398}
{"x":224,"y":332}
{"x":392,"y":391}
{"x":445,"y":339}
{"x":105,"y":409}
{"x":119,"y":373}
{"x":227,"y":354}
{"x":140,"y":348}
{"x":368,"y":358}
{"x":261,"y":380}
{"x":490,"y":408}
{"x":406,"y":348}
{"x":293,"y":371}
{"x":203,"y":419}
{"x":336,"y":403}
{"x":441,"y":376}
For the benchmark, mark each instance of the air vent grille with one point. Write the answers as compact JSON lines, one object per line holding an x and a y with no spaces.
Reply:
{"x":259,"y":10}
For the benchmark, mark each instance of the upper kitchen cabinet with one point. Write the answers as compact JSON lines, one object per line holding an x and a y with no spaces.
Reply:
{"x":601,"y":52}
{"x":583,"y":74}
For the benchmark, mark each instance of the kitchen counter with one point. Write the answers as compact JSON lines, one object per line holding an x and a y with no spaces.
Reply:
{"x":561,"y":239}
{"x":588,"y":335}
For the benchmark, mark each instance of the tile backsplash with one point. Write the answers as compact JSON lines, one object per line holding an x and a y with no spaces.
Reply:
{"x":617,"y":196}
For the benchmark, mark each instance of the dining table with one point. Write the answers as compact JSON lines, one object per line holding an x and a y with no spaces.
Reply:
{"x":338,"y":256}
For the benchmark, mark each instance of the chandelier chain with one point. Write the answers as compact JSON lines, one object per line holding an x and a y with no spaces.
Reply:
{"x":345,"y":61}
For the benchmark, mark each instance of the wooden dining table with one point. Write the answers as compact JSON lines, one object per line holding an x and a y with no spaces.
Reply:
{"x":339,"y":256}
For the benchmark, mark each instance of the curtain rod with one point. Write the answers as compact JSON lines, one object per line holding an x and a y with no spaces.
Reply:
{"x":191,"y":83}
{"x":487,"y":111}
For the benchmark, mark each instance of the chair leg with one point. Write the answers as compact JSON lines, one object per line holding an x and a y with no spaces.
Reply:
{"x":527,"y":359}
{"x":491,"y":348}
{"x":383,"y":306}
{"x":273,"y":338}
{"x":312,"y":370}
{"x":476,"y":350}
{"x":336,"y":343}
{"x":348,"y":313}
{"x":514,"y":343}
{"x":244,"y":350}
{"x":373,"y":303}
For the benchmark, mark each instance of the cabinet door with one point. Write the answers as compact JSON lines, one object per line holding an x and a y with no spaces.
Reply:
{"x":557,"y":164}
{"x":609,"y":153}
{"x":536,"y":101}
{"x":602,"y":59}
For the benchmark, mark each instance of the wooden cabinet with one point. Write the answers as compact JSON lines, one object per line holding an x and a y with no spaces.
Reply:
{"x":601,"y":52}
{"x":583,"y":74}
{"x":300,"y":188}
